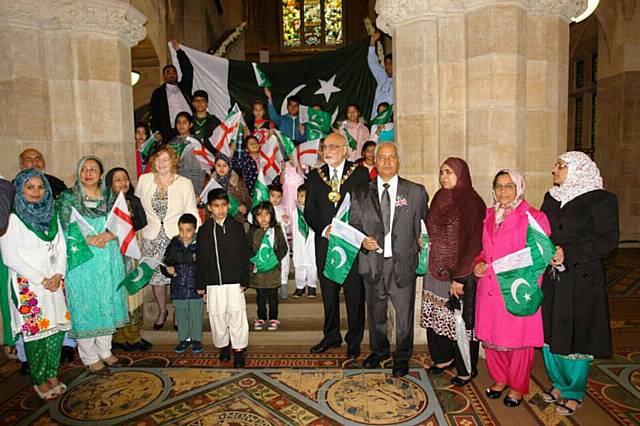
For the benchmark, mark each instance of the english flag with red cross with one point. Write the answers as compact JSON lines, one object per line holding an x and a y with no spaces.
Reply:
{"x":119,"y":222}
{"x":271,"y":159}
{"x":306,"y":154}
{"x":228,"y":131}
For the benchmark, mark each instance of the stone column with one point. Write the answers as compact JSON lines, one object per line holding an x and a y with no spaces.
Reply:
{"x":485,"y":80}
{"x":65,"y":81}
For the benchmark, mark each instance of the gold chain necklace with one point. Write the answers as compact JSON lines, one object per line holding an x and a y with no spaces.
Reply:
{"x":334,"y":196}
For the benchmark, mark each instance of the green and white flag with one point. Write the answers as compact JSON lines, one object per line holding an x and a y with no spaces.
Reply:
{"x":344,"y":245}
{"x":319,"y":124}
{"x":147,"y":146}
{"x":261,"y":77}
{"x":287,"y":144}
{"x":353,"y":144}
{"x":139,"y":277}
{"x":384,"y":117}
{"x":303,"y":227}
{"x":265,"y":259}
{"x":518,"y":272}
{"x":78,"y":251}
{"x":344,"y":211}
{"x":234,"y":205}
{"x":423,"y":259}
{"x":260,"y":190}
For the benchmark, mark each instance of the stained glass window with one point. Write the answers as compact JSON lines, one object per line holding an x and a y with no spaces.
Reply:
{"x":311,"y":24}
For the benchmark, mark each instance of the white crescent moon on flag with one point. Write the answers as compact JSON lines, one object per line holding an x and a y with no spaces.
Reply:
{"x":258,"y":194}
{"x":139,"y":275}
{"x":343,"y":256}
{"x":260,"y":251}
{"x":514,"y":288}
{"x":283,"y":107}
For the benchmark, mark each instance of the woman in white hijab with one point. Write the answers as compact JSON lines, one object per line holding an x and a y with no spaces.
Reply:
{"x":584,"y":227}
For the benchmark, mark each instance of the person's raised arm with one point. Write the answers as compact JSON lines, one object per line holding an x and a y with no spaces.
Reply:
{"x":372,"y":59}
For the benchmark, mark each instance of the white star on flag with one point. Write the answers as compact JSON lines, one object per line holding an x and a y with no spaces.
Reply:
{"x":327,"y":88}
{"x":74,"y":249}
{"x":527,"y":297}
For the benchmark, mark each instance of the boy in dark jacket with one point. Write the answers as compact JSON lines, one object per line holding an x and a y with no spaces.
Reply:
{"x":180,"y":261}
{"x":223,"y":273}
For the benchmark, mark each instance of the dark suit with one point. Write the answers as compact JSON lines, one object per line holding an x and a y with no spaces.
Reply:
{"x":392,"y":277}
{"x":318,"y":212}
{"x":7,"y":192}
{"x":159,"y":108}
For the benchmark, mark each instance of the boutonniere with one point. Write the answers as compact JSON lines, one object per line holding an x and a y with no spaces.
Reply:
{"x":401,"y":200}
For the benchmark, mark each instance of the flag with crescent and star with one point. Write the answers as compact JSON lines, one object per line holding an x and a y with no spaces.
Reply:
{"x":344,"y":245}
{"x":78,"y":251}
{"x":265,"y":259}
{"x":518,"y":272}
{"x":139,"y":277}
{"x":333,"y":79}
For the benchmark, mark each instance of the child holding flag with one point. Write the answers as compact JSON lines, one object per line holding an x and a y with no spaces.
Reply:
{"x":354,"y":126}
{"x":223,"y":273}
{"x":180,"y":261}
{"x":382,"y":124}
{"x":304,"y":250}
{"x":282,"y":217}
{"x":268,"y":247}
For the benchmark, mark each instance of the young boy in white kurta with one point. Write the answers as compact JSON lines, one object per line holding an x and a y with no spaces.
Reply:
{"x":304,"y":250}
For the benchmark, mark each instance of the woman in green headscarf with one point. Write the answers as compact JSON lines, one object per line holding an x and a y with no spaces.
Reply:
{"x":35,"y":252}
{"x":96,"y":304}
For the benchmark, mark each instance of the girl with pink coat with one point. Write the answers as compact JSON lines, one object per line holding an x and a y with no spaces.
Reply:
{"x":509,"y":340}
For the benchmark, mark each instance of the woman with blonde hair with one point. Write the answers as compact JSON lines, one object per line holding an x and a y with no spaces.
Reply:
{"x":165,"y":196}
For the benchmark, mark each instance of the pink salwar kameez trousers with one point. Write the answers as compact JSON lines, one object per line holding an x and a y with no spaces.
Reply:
{"x":509,"y":340}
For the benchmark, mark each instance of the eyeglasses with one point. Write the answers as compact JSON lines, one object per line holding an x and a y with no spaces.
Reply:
{"x":383,"y":158}
{"x":333,"y":147}
{"x":508,"y":187}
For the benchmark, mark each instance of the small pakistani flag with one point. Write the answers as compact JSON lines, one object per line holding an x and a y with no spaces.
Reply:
{"x":344,"y":211}
{"x":423,"y":259}
{"x":286,"y":142}
{"x":139,"y":277}
{"x":384,"y":117}
{"x":319,"y":124}
{"x":537,"y":238}
{"x":260,"y":190}
{"x":147,"y":146}
{"x":265,"y":259}
{"x":353,"y":144}
{"x":234,"y":205}
{"x":261,"y":77}
{"x":78,"y":251}
{"x":303,"y":227}
{"x":344,"y":245}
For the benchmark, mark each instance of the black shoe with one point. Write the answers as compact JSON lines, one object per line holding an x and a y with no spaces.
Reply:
{"x":146,"y":344}
{"x":311,"y":292}
{"x":104,"y":371}
{"x":459,"y":381}
{"x":353,"y":352}
{"x":141,"y":345}
{"x":238,"y":359}
{"x":115,"y":346}
{"x":434,"y":369}
{"x":323,"y":347}
{"x":128,"y":347}
{"x":400,"y":369}
{"x":67,"y":355}
{"x":298,"y":293}
{"x":510,"y":402}
{"x":182,"y":346}
{"x":494,"y":394}
{"x":159,"y":326}
{"x":225,"y":353}
{"x":373,"y":361}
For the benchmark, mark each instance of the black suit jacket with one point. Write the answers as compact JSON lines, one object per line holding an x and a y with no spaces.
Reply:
{"x":158,"y":106}
{"x":6,"y":198}
{"x":366,"y":215}
{"x":319,"y":211}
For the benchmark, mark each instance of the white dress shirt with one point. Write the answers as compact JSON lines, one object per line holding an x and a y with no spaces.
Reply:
{"x":177,"y":103}
{"x":393,"y":190}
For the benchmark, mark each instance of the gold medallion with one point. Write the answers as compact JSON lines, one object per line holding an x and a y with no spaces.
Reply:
{"x":334,"y":196}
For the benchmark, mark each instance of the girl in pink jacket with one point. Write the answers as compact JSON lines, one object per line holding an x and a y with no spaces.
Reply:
{"x":509,"y":340}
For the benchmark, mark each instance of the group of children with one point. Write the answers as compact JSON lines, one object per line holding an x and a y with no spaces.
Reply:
{"x":213,"y":266}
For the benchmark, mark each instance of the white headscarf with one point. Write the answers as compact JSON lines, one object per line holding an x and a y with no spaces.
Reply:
{"x":582,"y":176}
{"x":503,"y":211}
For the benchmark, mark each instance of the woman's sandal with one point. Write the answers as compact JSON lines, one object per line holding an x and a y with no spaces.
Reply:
{"x":564,"y":410}
{"x":548,"y":396}
{"x":49,"y":395}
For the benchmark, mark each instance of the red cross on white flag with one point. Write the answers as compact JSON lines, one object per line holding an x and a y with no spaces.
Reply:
{"x":119,"y":222}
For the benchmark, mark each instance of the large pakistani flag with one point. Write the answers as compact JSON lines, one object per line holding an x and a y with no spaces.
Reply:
{"x":265,"y":258}
{"x":344,"y":245}
{"x":333,"y":79}
{"x":518,"y":272}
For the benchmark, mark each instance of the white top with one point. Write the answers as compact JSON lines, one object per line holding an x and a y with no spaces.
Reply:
{"x":181,"y":199}
{"x":384,"y":90}
{"x":304,"y":251}
{"x":176,"y":102}
{"x":30,"y":260}
{"x":393,"y":190}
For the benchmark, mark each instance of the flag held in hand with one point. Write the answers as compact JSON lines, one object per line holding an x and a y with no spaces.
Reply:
{"x":384,"y":117}
{"x":139,"y":277}
{"x":261,"y":77}
{"x":265,"y":259}
{"x":78,"y":251}
{"x":344,"y":245}
{"x":423,"y":260}
{"x":119,"y":222}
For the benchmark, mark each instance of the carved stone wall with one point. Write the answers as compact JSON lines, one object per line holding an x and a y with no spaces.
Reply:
{"x":65,"y":81}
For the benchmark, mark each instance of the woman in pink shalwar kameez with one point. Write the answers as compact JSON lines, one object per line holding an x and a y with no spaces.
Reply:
{"x":509,"y":340}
